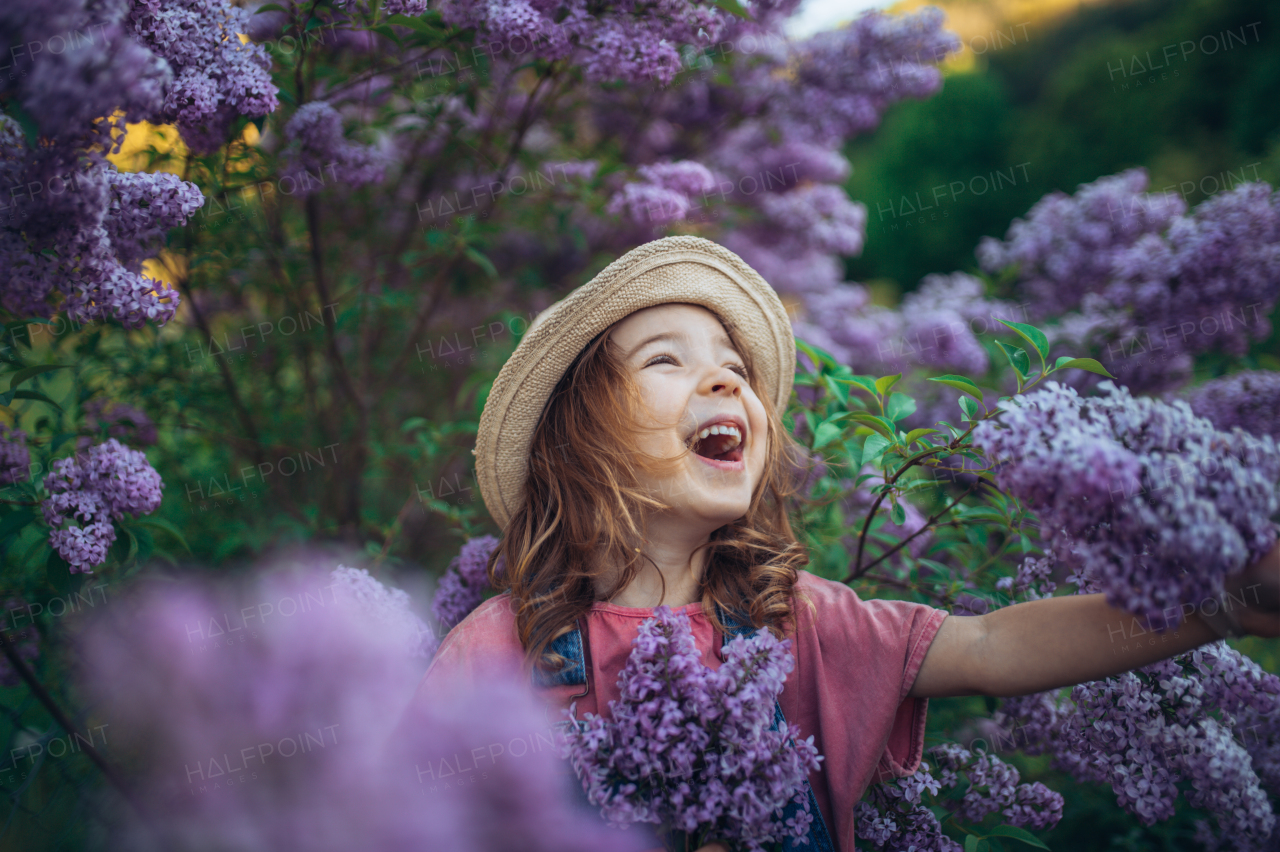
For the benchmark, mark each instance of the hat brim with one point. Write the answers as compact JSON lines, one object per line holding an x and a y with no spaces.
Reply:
{"x":674,"y":269}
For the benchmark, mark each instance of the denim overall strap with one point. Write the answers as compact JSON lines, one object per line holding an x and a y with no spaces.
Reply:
{"x":819,"y":839}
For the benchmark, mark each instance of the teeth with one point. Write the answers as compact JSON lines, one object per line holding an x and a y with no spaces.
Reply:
{"x":721,"y":430}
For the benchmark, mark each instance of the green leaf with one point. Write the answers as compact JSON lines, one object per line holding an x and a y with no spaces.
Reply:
{"x":415,"y":24}
{"x":733,"y":7}
{"x":36,"y":395}
{"x":916,"y":434}
{"x":1084,"y":364}
{"x":960,"y":383}
{"x":1017,"y":358}
{"x":827,"y":431}
{"x":58,"y":570}
{"x":1015,"y":833}
{"x":885,"y":382}
{"x":162,"y":524}
{"x":971,"y":843}
{"x":23,"y":375}
{"x":874,"y":421}
{"x":867,"y":383}
{"x":1032,"y":335}
{"x":818,"y":356}
{"x":482,"y":262}
{"x":873,"y":447}
{"x":312,"y":24}
{"x":900,"y":405}
{"x":898,"y":514}
{"x":15,"y":521}
{"x":969,"y":407}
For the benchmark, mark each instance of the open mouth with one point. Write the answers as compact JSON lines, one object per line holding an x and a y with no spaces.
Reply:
{"x":719,"y":442}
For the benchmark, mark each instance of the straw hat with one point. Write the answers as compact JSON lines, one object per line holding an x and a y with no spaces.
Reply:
{"x":673,"y":269}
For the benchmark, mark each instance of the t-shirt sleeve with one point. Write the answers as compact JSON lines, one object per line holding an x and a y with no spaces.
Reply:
{"x":870,"y":653}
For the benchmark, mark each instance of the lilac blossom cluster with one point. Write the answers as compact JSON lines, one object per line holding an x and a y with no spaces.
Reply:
{"x":465,"y":581}
{"x":216,"y":76}
{"x":15,"y":458}
{"x":90,"y":490}
{"x":694,"y":749}
{"x":665,"y":193}
{"x":894,"y":816}
{"x":1136,"y":276}
{"x":1176,"y":724}
{"x":933,"y":327}
{"x":389,"y":606}
{"x":631,"y":42}
{"x":100,"y":72}
{"x":80,"y":245}
{"x":1138,"y":496}
{"x":292,"y":736}
{"x":1249,"y":399}
{"x":317,"y":150}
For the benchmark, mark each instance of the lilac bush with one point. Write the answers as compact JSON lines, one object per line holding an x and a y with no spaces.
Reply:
{"x":693,"y":749}
{"x":1172,"y":725}
{"x":894,"y":815}
{"x":317,"y":151}
{"x":1122,"y":269}
{"x":1249,"y":399}
{"x":15,"y":458}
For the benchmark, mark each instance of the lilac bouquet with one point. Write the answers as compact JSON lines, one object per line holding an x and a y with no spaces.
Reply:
{"x":696,"y":750}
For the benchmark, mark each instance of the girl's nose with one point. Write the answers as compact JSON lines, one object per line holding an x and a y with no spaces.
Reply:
{"x":723,"y":381}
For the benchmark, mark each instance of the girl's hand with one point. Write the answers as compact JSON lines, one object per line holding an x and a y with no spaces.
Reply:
{"x":1259,"y":587}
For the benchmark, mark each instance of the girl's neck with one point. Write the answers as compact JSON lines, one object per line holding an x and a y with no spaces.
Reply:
{"x":679,"y":571}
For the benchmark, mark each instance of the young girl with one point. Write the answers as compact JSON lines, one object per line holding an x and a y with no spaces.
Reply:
{"x":632,"y":452}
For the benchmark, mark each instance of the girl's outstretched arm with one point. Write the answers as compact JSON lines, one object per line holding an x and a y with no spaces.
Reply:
{"x":1045,"y":644}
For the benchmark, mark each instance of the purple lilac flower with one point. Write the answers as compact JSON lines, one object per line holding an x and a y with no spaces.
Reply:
{"x":465,"y":581}
{"x":690,"y":748}
{"x":15,"y":458}
{"x":665,"y":193}
{"x":216,"y":76}
{"x":1139,"y":496}
{"x":1031,"y":580}
{"x":1249,"y":399}
{"x":79,"y":246}
{"x":633,"y":43}
{"x":1184,"y":722}
{"x":893,"y":815}
{"x":1152,"y":286}
{"x":94,"y":488}
{"x":286,"y":735}
{"x":390,"y":607}
{"x":317,"y":151}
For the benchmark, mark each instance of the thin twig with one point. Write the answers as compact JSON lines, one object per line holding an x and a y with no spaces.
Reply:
{"x":859,"y":571}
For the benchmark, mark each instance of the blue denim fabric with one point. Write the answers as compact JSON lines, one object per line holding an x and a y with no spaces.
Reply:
{"x":570,"y":646}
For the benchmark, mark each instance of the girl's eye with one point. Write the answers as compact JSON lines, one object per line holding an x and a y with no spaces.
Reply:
{"x":659,"y":359}
{"x":739,"y":369}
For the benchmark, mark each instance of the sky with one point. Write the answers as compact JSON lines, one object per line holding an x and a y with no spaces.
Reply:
{"x":817,"y":15}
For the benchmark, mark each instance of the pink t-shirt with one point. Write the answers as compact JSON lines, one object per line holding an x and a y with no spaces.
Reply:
{"x":856,"y":661}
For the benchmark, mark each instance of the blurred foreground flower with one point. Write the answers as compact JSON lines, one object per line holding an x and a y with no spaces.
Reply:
{"x":265,"y":718}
